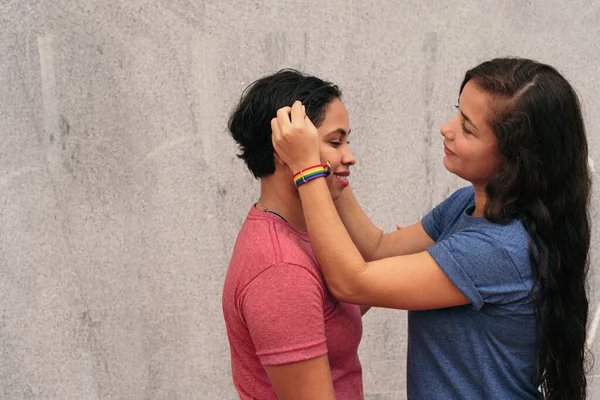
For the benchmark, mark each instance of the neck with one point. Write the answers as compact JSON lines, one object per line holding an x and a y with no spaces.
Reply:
{"x":480,"y":200}
{"x":279,"y":195}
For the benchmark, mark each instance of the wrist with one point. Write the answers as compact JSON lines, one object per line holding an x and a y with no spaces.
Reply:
{"x":300,"y":166}
{"x":313,"y":172}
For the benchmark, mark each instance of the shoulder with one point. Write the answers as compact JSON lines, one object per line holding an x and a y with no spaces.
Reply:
{"x":487,"y":262}
{"x":445,"y":214}
{"x":267,"y":261}
{"x":513,"y":231}
{"x":264,"y":241}
{"x":500,"y":247}
{"x":286,"y":278}
{"x":462,"y":197}
{"x":512,"y":238}
{"x":457,"y":201}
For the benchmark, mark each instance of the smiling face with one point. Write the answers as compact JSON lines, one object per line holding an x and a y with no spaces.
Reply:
{"x":333,"y":132}
{"x":470,"y":146}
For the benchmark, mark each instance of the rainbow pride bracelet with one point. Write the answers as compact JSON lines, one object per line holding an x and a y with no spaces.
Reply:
{"x":310,"y":173}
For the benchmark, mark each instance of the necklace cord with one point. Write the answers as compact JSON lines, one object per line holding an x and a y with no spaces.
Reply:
{"x":265,"y":209}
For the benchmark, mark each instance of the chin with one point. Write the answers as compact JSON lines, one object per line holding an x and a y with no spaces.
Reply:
{"x":448,"y":165}
{"x":453,"y":170}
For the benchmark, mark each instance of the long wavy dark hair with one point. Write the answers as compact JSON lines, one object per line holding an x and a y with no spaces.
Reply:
{"x":545,"y":182}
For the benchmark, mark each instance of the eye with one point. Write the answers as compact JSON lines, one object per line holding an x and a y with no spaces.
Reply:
{"x":335,"y":143}
{"x":464,"y":128}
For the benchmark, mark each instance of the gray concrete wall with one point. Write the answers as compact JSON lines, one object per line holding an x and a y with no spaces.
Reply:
{"x":121,"y":195}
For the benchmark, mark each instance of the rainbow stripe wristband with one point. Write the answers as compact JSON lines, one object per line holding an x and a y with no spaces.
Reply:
{"x":310,"y":173}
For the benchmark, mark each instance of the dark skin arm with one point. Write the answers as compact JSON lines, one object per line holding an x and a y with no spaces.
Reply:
{"x":303,"y":380}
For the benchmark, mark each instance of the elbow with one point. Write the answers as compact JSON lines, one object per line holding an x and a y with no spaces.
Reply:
{"x":341,"y":294}
{"x":346,"y":290}
{"x":369,"y":256}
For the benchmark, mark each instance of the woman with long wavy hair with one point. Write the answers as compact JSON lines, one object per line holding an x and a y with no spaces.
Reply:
{"x":495,"y":276}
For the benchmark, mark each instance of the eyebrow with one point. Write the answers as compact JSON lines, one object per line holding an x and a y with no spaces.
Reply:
{"x":468,"y":120}
{"x":339,"y":131}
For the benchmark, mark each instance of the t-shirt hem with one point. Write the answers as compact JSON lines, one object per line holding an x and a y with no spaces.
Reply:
{"x":308,"y":352}
{"x":456,"y":274}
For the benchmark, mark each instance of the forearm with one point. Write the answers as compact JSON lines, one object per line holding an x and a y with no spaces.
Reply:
{"x":340,"y":260}
{"x":302,"y":380}
{"x":366,"y":236}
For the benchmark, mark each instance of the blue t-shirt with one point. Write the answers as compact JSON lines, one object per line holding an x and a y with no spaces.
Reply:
{"x":484,"y":350}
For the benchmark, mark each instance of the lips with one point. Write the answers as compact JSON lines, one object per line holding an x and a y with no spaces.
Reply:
{"x":447,"y":151}
{"x":342,"y":177}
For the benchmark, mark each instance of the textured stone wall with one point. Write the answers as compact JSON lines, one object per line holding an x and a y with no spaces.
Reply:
{"x":121,"y":195}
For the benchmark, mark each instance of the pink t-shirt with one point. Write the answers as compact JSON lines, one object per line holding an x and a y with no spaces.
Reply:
{"x":278,"y":310}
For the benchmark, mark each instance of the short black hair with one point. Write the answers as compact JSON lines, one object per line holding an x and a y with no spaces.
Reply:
{"x":250,"y":121}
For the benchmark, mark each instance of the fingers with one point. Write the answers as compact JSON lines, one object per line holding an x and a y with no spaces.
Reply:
{"x":294,"y":138}
{"x":297,"y":113}
{"x":309,"y":122}
{"x":283,"y":117}
{"x":275,"y":129}
{"x":275,"y":138}
{"x":291,"y":115}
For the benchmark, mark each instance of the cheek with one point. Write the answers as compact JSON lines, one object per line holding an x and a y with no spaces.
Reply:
{"x":332,"y":155}
{"x":324,"y":152}
{"x":494,"y":163}
{"x":485,"y":160}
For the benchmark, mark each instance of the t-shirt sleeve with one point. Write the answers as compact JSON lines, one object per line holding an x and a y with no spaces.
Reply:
{"x":435,"y":220}
{"x":283,"y":310}
{"x":432,"y":222}
{"x":480,"y":268}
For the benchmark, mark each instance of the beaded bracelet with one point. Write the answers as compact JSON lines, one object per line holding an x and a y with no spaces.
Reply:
{"x":310,"y":173}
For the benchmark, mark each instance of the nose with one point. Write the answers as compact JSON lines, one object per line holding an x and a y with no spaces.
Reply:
{"x":347,"y":157}
{"x":446,"y":129}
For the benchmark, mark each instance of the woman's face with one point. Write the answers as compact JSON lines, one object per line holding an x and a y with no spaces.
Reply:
{"x":333,"y":132}
{"x":470,"y":146}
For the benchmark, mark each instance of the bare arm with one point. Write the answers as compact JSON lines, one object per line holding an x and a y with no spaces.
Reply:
{"x":387,"y":243}
{"x":413,"y":282}
{"x":370,"y":240}
{"x":283,"y":310}
{"x":366,"y":236}
{"x":409,"y":240}
{"x":303,"y":380}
